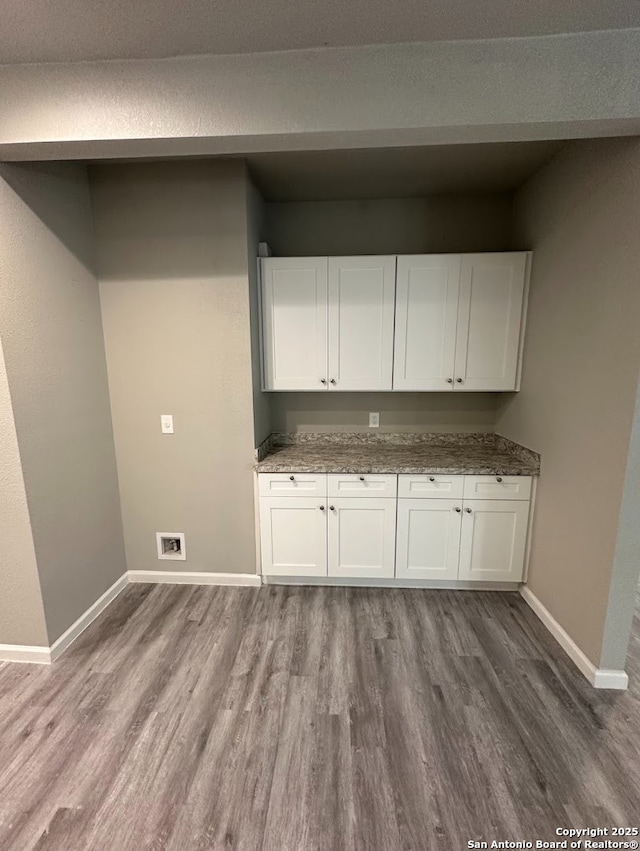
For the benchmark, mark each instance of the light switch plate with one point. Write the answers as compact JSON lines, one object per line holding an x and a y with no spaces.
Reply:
{"x":374,"y":420}
{"x":166,"y":423}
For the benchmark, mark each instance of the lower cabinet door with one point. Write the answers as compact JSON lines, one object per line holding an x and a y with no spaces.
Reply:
{"x":428,"y":538}
{"x":293,"y":535}
{"x":362,"y":537}
{"x":493,"y":541}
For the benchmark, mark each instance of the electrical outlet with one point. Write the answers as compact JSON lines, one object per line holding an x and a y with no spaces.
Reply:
{"x":374,"y":420}
{"x":166,"y":423}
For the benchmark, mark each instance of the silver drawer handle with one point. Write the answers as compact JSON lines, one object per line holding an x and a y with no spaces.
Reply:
{"x":321,"y":507}
{"x":458,"y":510}
{"x":432,"y":478}
{"x":362,"y":478}
{"x":468,"y":510}
{"x":332,"y":507}
{"x":292,"y":478}
{"x":498,"y":478}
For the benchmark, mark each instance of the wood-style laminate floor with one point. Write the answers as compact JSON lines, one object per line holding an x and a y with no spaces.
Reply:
{"x":292,"y":719}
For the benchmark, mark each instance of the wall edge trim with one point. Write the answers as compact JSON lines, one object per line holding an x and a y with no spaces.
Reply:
{"x":25,"y":653}
{"x":600,"y":678}
{"x":86,"y":619}
{"x":178,"y":577}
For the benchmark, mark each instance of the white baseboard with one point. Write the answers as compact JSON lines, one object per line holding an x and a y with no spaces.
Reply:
{"x":598,"y":677}
{"x":359,"y":582}
{"x":46,"y":655}
{"x":179,"y":577}
{"x":24,"y":653}
{"x":69,"y":636}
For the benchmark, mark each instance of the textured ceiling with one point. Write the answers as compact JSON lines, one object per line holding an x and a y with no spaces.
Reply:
{"x":398,"y":172}
{"x":69,"y":30}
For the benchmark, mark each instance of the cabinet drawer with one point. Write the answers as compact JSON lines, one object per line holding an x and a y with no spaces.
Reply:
{"x":292,"y":484}
{"x":497,"y":487}
{"x":362,"y":485}
{"x":431,"y":487}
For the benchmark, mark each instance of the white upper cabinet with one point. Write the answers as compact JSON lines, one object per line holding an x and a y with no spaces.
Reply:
{"x":420,"y":322}
{"x":294,"y":323}
{"x":459,"y":321}
{"x":489,"y":321}
{"x":426,"y":320}
{"x":361,"y":312}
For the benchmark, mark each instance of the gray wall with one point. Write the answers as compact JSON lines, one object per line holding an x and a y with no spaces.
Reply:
{"x":51,"y":332}
{"x":557,"y":87}
{"x":392,"y":226}
{"x":582,"y":353}
{"x":399,"y":412}
{"x":21,"y":612}
{"x":438,"y":224}
{"x":171,"y":243}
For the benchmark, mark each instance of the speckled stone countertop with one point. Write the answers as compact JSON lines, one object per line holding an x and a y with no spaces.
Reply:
{"x":459,"y":454}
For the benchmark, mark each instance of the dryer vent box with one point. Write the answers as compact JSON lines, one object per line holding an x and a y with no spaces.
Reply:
{"x":171,"y":545}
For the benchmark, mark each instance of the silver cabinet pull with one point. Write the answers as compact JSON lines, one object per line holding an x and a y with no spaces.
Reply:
{"x":432,"y":478}
{"x":332,"y":507}
{"x":362,"y":478}
{"x":323,"y":380}
{"x":449,"y":380}
{"x":292,"y":478}
{"x":321,"y":507}
{"x":468,"y":510}
{"x":333,"y":381}
{"x":498,"y":478}
{"x":459,"y":380}
{"x":458,"y":510}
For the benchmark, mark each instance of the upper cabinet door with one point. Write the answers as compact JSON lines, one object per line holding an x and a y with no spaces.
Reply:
{"x":426,"y":319}
{"x":361,"y":313}
{"x":489,"y":321}
{"x":294,"y":323}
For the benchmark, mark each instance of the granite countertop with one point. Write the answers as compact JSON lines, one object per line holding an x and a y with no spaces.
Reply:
{"x":471,"y":454}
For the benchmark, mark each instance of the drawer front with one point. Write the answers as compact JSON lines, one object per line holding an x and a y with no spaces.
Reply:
{"x":497,"y":487}
{"x":362,"y":485}
{"x":431,"y":487}
{"x":292,"y":484}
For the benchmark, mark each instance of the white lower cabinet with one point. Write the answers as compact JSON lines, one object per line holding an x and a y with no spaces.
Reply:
{"x":367,"y":536}
{"x":428,"y":538}
{"x":362,"y":537}
{"x":493,"y":541}
{"x":293,"y":534}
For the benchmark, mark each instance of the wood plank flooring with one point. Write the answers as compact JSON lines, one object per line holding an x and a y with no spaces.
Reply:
{"x":312,"y":719}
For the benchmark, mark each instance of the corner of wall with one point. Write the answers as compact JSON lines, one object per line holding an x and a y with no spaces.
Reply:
{"x":56,"y":370}
{"x":256,"y":232}
{"x":22,"y":618}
